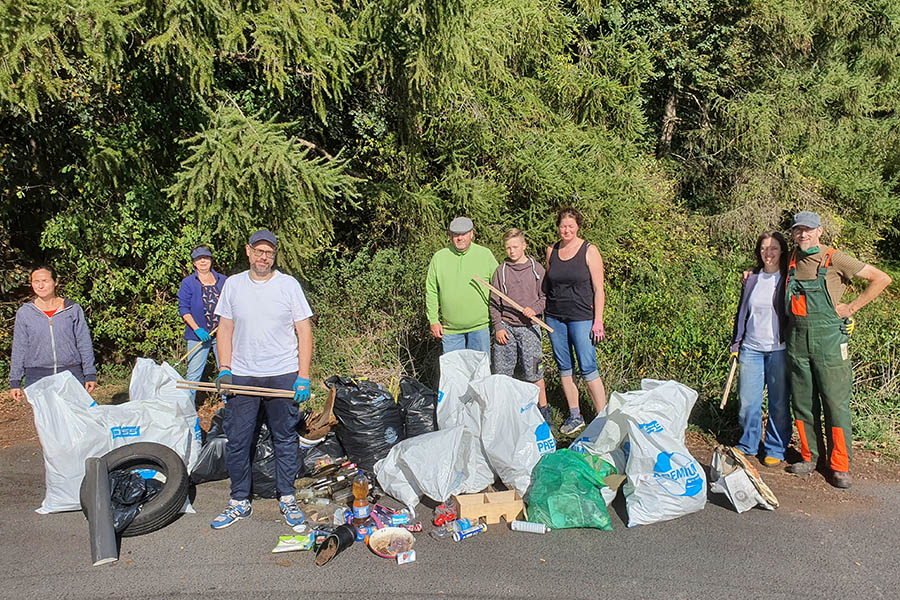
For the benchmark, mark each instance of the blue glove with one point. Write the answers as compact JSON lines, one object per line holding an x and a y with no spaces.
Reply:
{"x":224,"y":377}
{"x":202,"y":334}
{"x":301,"y":389}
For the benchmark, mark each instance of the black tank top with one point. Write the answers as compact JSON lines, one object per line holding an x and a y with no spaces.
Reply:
{"x":570,"y":295}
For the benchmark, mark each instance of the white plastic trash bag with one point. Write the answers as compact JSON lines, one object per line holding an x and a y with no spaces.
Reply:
{"x":154,"y":385}
{"x":514,"y":435}
{"x":458,"y":368}
{"x":72,"y":428}
{"x":664,"y":480}
{"x":457,"y":406}
{"x":429,"y":464}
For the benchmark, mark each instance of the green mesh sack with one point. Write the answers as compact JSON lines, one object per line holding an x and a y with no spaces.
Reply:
{"x":565,"y":491}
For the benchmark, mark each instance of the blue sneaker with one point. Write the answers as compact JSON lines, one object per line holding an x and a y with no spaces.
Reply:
{"x":292,"y":513}
{"x":572,"y":425}
{"x":237,"y":510}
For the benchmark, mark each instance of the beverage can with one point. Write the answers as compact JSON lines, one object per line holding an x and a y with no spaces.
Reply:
{"x":461,"y":535}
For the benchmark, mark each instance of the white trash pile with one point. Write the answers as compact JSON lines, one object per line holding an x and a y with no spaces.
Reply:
{"x":489,"y":425}
{"x":72,"y":427}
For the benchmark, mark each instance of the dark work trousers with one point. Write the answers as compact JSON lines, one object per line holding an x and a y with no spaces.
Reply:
{"x":282,"y":416}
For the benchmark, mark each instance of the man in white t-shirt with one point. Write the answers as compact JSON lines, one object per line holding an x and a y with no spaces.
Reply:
{"x":265,"y":340}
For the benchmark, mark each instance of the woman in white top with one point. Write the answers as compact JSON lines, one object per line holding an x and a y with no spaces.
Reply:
{"x":758,"y":343}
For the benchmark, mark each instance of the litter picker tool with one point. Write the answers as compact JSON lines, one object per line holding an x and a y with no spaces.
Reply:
{"x":244,"y":390}
{"x":730,"y":381}
{"x":512,"y":302}
{"x":195,"y":348}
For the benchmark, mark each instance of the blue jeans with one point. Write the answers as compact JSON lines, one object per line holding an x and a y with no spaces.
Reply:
{"x":282,"y":416}
{"x":480,"y":340}
{"x":758,"y":370}
{"x":197,"y":361}
{"x":569,"y":335}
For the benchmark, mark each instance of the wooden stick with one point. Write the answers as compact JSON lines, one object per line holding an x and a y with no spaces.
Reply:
{"x":512,"y":302}
{"x":274,"y":394}
{"x":734,"y":364}
{"x":232,"y":386}
{"x":195,"y":348}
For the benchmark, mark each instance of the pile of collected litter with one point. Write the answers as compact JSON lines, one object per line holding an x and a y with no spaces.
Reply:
{"x":477,"y":451}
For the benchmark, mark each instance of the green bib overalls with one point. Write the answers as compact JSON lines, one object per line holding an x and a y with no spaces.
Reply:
{"x":819,"y":364}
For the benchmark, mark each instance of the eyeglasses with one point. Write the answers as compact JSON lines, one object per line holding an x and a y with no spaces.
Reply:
{"x":266,"y":253}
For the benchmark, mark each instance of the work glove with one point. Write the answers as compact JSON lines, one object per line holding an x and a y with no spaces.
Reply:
{"x":301,"y":389}
{"x":224,"y":377}
{"x":202,"y":334}
{"x":733,"y":356}
{"x":848,"y":326}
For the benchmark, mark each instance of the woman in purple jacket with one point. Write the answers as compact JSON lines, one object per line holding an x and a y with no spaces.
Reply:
{"x":758,"y":344}
{"x":197,"y":299}
{"x":50,"y":336}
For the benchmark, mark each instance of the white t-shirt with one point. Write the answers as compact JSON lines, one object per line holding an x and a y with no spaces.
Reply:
{"x":264,"y":312}
{"x":762,"y":323}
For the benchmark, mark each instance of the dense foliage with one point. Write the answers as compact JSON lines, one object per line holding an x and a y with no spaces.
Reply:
{"x":132,"y":129}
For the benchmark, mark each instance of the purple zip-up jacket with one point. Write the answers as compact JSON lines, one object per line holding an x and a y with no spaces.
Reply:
{"x":743,"y":312}
{"x":45,"y":345}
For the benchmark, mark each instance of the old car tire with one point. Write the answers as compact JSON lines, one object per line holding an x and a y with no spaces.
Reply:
{"x":163,"y":508}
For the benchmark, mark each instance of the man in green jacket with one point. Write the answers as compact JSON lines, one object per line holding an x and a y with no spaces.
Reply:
{"x":457,"y":307}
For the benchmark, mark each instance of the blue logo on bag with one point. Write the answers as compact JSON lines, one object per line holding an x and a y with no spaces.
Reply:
{"x":125,"y":431}
{"x":545,"y":442}
{"x":678,"y":474}
{"x":526,"y":407}
{"x":651,"y":427}
{"x":440,"y":396}
{"x":198,"y":433}
{"x":390,"y":435}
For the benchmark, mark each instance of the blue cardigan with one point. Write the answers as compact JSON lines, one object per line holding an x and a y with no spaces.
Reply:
{"x":190,"y":300}
{"x":740,"y":321}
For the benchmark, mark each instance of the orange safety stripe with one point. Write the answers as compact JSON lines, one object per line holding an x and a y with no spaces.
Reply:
{"x":805,"y":454}
{"x":840,"y":461}
{"x":826,"y":260}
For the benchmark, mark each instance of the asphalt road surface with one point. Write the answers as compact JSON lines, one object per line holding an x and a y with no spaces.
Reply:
{"x":821,"y":543}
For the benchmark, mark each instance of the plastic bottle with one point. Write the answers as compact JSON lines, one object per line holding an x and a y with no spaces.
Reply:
{"x":529,"y":527}
{"x":447,"y":530}
{"x":361,"y":508}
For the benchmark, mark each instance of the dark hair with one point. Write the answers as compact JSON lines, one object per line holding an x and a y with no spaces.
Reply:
{"x":47,"y":268}
{"x":570,"y":212}
{"x":781,"y":242}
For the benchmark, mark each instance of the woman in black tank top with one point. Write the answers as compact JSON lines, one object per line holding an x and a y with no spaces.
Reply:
{"x":575,"y":300}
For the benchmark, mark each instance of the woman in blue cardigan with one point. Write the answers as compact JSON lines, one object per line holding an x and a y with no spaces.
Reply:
{"x":197,"y":299}
{"x":758,"y":343}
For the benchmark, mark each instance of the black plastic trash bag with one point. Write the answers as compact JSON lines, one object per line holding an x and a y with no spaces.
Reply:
{"x":419,"y":405}
{"x":328,"y":451}
{"x":128,"y":491}
{"x":369,"y":421}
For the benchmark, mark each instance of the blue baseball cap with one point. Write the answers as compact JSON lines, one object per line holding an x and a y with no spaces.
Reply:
{"x":201,"y":252}
{"x":263,"y":235}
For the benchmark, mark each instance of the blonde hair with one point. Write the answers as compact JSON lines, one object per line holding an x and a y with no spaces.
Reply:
{"x":513,"y":233}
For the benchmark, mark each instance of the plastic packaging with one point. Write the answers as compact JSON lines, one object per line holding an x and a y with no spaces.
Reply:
{"x":369,"y":421}
{"x":361,"y":507}
{"x":419,"y":406}
{"x":528,"y":527}
{"x":467,"y":533}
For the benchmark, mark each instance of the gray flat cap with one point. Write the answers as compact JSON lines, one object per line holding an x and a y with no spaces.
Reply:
{"x":805,"y":218}
{"x":263,"y":235}
{"x":461,"y":225}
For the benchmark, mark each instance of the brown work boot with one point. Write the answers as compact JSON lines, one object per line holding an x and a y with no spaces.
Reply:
{"x":841,"y":479}
{"x":802,"y":469}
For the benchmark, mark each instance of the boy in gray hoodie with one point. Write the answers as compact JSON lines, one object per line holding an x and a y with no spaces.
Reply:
{"x":517,"y":339}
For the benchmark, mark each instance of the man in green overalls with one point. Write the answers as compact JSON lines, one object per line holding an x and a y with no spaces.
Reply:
{"x":817,"y":344}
